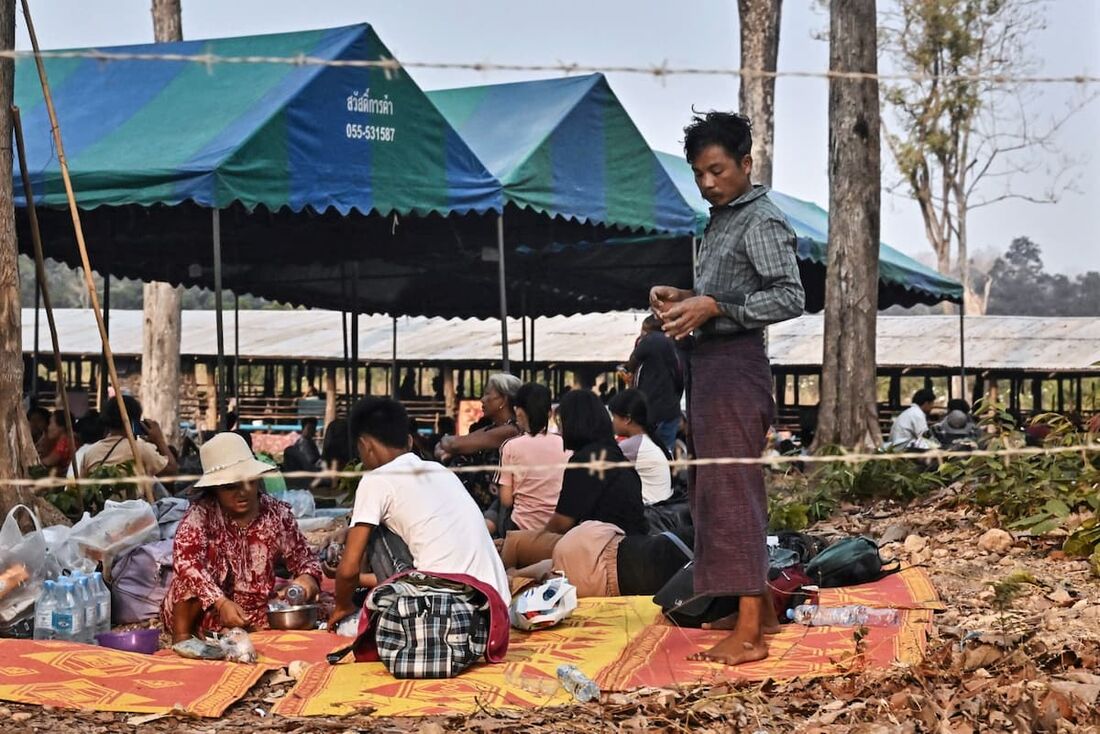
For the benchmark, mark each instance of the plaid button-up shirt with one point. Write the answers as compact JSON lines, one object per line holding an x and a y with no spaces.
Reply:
{"x":747,"y":264}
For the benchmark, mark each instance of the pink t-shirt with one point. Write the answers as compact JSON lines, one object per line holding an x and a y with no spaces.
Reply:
{"x":534,"y":490}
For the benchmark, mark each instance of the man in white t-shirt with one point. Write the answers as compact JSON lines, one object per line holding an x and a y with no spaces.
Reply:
{"x":910,"y":429}
{"x":421,"y":502}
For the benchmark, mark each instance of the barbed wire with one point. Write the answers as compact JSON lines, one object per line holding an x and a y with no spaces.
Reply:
{"x":601,"y":465}
{"x":390,"y":65}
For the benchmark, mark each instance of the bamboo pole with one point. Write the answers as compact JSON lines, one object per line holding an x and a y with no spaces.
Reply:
{"x":63,"y":164}
{"x":44,"y":291}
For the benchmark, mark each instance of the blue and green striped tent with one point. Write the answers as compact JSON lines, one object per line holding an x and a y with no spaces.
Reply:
{"x":902,"y":280}
{"x":275,"y":135}
{"x":567,"y":148}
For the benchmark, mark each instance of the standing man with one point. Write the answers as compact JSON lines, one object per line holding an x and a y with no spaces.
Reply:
{"x":746,"y":278}
{"x":655,"y":365}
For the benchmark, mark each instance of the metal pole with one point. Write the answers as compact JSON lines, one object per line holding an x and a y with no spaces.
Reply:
{"x":505,"y":365}
{"x":37,"y":302}
{"x":347,"y":358}
{"x":104,"y":373}
{"x":355,"y":331}
{"x":395,"y":378}
{"x":962,"y":346}
{"x":237,"y":351}
{"x":219,"y":378}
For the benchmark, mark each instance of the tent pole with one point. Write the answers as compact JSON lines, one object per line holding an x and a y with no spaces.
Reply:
{"x":355,"y":331}
{"x":962,"y":345}
{"x":347,"y":358}
{"x":505,"y":366}
{"x":237,"y":351}
{"x":219,"y":326}
{"x":37,"y":303}
{"x":395,"y":378}
{"x":42,"y":290}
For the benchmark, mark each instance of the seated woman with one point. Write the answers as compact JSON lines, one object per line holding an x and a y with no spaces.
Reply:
{"x":600,"y":560}
{"x":530,"y":485}
{"x":481,"y":447}
{"x":54,"y":449}
{"x":228,"y":544}
{"x":613,"y":496}
{"x":630,"y":418}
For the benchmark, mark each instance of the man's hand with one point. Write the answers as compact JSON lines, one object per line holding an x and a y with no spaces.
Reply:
{"x":686,"y":316}
{"x":230,"y":613}
{"x":156,"y":434}
{"x":338,"y":615}
{"x":662,"y":296}
{"x":308,"y":583}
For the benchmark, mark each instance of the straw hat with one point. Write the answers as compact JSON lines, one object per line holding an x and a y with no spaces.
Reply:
{"x":226,"y":459}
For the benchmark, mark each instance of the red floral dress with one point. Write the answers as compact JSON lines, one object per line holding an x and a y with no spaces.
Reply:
{"x":215,"y":557}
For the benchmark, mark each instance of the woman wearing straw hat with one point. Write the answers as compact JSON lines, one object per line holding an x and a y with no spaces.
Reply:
{"x":227,"y":546}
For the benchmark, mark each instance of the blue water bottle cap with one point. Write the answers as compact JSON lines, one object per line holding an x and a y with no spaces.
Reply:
{"x":790,"y":614}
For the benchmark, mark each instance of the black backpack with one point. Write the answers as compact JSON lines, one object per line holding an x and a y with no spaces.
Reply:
{"x":848,"y":562}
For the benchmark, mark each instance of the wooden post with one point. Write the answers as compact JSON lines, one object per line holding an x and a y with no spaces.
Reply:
{"x":63,"y":164}
{"x":450,"y":401}
{"x":330,"y":395}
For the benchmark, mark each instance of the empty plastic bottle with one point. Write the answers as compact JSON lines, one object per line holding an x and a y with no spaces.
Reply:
{"x":295,"y":595}
{"x":102,"y":596}
{"x":849,"y":616}
{"x":579,"y":685}
{"x":43,"y":612}
{"x":68,"y":615}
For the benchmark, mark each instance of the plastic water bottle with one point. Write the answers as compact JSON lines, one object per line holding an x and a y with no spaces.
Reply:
{"x":83,"y":585}
{"x":102,"y":596}
{"x":68,"y":616}
{"x":579,"y":685}
{"x":295,"y":595}
{"x":849,"y":616}
{"x":43,"y":612}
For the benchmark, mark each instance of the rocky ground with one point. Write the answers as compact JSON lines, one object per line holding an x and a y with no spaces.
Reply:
{"x":1018,"y":649}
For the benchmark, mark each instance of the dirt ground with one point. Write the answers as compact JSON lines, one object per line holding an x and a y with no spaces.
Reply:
{"x":1018,"y":650}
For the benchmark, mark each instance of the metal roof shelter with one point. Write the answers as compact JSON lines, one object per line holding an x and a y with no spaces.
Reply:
{"x":1069,"y":346}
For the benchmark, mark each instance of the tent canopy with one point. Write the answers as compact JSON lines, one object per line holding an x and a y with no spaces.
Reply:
{"x":902,"y":280}
{"x":567,"y":148}
{"x":275,"y":135}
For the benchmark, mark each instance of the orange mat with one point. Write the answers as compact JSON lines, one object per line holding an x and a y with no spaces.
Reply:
{"x":70,"y":675}
{"x":627,"y":643}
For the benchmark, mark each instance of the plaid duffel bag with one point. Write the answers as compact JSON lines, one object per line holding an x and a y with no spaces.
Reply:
{"x":429,"y":630}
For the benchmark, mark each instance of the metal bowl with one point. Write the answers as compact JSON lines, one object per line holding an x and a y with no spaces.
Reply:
{"x":302,"y":617}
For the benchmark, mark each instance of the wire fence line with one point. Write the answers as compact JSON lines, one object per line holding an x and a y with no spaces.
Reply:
{"x":601,"y":465}
{"x":391,"y":65}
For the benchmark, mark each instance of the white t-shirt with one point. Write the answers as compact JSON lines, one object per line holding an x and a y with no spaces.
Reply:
{"x":652,"y":466}
{"x":435,"y":516}
{"x":909,"y":429}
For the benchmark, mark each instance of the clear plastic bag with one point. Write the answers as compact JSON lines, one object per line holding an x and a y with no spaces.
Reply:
{"x":24,"y":565}
{"x":237,"y":646}
{"x":119,"y":527}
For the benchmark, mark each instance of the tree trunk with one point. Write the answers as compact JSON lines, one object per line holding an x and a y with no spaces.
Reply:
{"x":759,"y":20}
{"x":161,"y":302}
{"x":848,"y":415}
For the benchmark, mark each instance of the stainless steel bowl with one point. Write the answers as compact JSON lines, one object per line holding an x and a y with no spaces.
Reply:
{"x":303,"y":617}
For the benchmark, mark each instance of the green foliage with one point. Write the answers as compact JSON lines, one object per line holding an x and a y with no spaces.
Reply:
{"x":347,"y":485}
{"x":902,"y":480}
{"x":95,"y":496}
{"x":1008,"y":588}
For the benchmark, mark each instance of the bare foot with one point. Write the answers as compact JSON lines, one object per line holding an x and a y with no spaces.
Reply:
{"x":730,"y":622}
{"x":734,"y":650}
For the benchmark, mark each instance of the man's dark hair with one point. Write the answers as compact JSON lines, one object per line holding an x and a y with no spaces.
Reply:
{"x":309,"y":422}
{"x":731,"y":130}
{"x":584,"y":420}
{"x":112,"y":416}
{"x":535,"y":401}
{"x":40,"y":412}
{"x":89,"y":429}
{"x":958,"y":404}
{"x":632,"y":404}
{"x":924,"y":395}
{"x":337,"y":444}
{"x":383,"y":419}
{"x":652,"y":323}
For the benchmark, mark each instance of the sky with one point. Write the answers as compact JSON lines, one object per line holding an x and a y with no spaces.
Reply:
{"x":696,"y":33}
